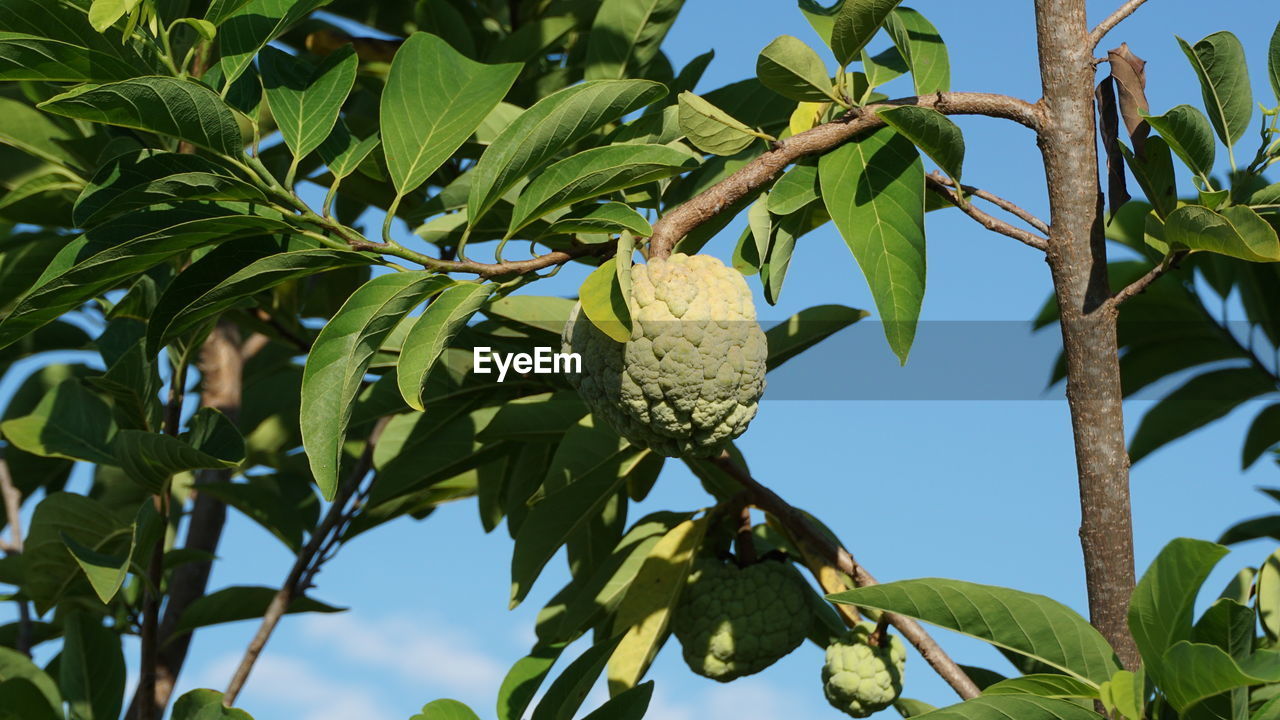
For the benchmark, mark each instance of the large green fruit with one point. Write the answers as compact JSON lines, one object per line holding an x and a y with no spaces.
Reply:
{"x":690,"y":378}
{"x":860,"y":678}
{"x":735,"y":621}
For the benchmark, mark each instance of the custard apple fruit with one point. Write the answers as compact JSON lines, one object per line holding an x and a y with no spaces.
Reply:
{"x":859,"y":678}
{"x":691,"y":376}
{"x":735,"y":621}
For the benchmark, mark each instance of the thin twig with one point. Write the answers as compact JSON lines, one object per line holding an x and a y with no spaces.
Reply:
{"x":1113,"y":20}
{"x":13,"y":515}
{"x":301,"y":570}
{"x":1006,"y":205}
{"x":1136,"y":287}
{"x":746,"y":545}
{"x":803,"y":531}
{"x":994,"y":224}
{"x":708,"y":204}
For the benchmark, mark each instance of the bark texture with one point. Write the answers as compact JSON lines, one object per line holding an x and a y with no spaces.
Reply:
{"x":1078,"y":261}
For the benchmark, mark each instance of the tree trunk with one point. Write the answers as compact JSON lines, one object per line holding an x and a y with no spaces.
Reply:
{"x":1078,"y":262}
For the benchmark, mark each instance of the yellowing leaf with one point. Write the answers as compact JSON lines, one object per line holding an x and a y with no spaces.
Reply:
{"x":807,"y":116}
{"x":645,"y":612}
{"x":604,"y":303}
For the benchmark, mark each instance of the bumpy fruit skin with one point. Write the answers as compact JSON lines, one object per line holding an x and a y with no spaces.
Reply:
{"x":735,"y":621}
{"x":860,"y":679}
{"x":690,"y":378}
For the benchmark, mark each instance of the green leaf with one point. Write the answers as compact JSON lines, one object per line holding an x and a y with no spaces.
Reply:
{"x":1154,"y":172}
{"x":567,"y":508}
{"x":36,"y":133}
{"x":232,"y":272}
{"x":792,"y":69}
{"x":1193,"y":672}
{"x":240,"y":602}
{"x":1189,"y":135}
{"x":341,"y":355}
{"x":1044,"y":685}
{"x":604,"y":304}
{"x":1273,"y":62}
{"x":205,"y":29}
{"x":205,"y":705}
{"x":711,"y":129}
{"x":595,"y":172}
{"x":883,"y":67}
{"x":91,"y":669}
{"x":541,"y":132}
{"x":923,"y":50}
{"x":152,"y":458}
{"x":69,"y":422}
{"x":610,"y":217}
{"x":121,"y":249}
{"x":1237,"y":231}
{"x":1268,"y":596}
{"x":1219,"y":62}
{"x":1126,"y":692}
{"x":184,"y":109}
{"x":432,"y":333}
{"x":343,"y":152}
{"x":806,"y":329}
{"x":106,"y":573}
{"x":856,"y":22}
{"x":645,"y":613}
{"x":1264,"y":433}
{"x":54,"y":41}
{"x":566,"y":694}
{"x":1201,"y":400}
{"x":629,"y":705}
{"x":1161,"y":608}
{"x":37,"y":58}
{"x":153,"y":177}
{"x":627,"y":35}
{"x":20,"y":699}
{"x":1004,"y":707}
{"x":247,"y":28}
{"x":600,"y":594}
{"x":445,"y":710}
{"x":873,"y":190}
{"x":523,"y":679}
{"x":1031,"y":625}
{"x":932,"y":132}
{"x":796,"y":189}
{"x":50,"y":569}
{"x":305,"y":99}
{"x":104,"y":13}
{"x":542,"y":313}
{"x":434,"y":99}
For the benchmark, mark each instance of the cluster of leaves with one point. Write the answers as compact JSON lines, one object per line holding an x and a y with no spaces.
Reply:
{"x":1223,"y":664}
{"x":1221,"y":245}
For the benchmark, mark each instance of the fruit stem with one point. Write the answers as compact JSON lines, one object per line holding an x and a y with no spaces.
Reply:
{"x":746,"y":546}
{"x":879,"y":637}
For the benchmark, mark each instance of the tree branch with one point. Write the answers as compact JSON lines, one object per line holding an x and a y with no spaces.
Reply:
{"x":1138,"y":286}
{"x":301,"y":571}
{"x":221,"y":367}
{"x":1113,"y":20}
{"x":1009,"y":207}
{"x":942,"y":186}
{"x":803,"y":531}
{"x":680,"y":221}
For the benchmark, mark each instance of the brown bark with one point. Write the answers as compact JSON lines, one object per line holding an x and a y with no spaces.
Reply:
{"x":1078,"y":262}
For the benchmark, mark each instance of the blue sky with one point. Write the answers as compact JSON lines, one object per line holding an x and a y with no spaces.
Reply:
{"x":981,"y":490}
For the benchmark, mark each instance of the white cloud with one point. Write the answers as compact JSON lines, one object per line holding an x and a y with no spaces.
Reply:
{"x":420,"y":651}
{"x":298,"y":686}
